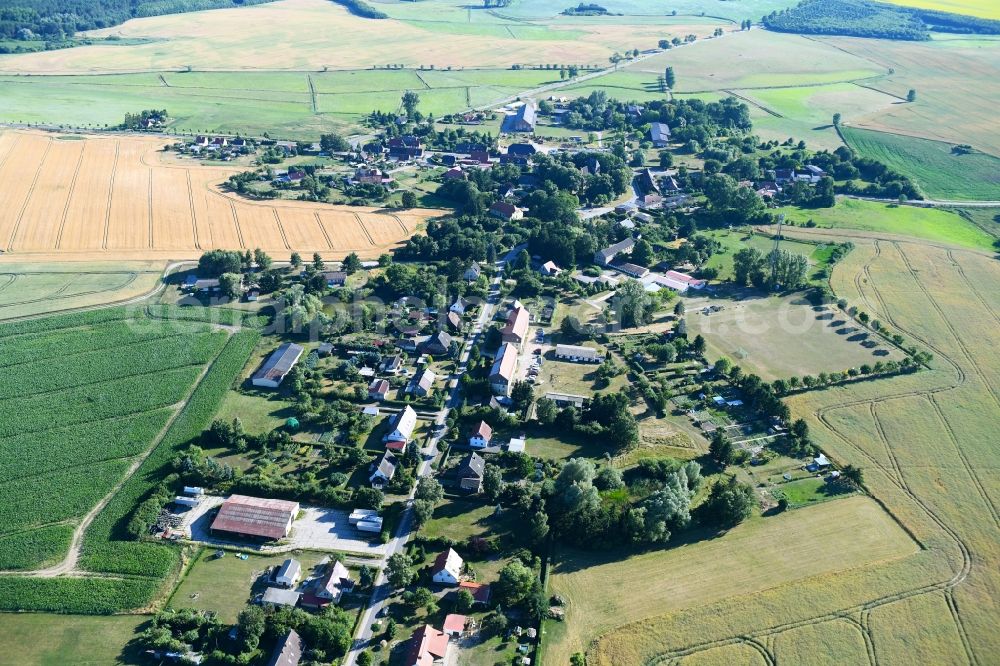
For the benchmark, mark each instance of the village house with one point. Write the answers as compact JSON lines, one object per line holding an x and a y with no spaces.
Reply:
{"x":506,"y":211}
{"x":504,"y":367}
{"x":524,"y":150}
{"x":423,"y":384}
{"x":632,"y":270}
{"x":287,"y":651}
{"x":438,"y":344}
{"x":447,"y":569}
{"x":480,"y":592}
{"x":428,"y":647}
{"x":469,"y":472}
{"x":550,"y":269}
{"x":335,"y":279}
{"x":329,"y":588}
{"x":460,"y":306}
{"x":659,"y":134}
{"x":517,"y":444}
{"x":608,"y":254}
{"x":383,"y":470}
{"x":515,"y":331}
{"x":473,"y":272}
{"x":578,"y":354}
{"x":453,"y":321}
{"x":454,"y":173}
{"x":392,"y":365}
{"x":401,"y":427}
{"x":481,"y":435}
{"x":378,"y":389}
{"x":405,"y":148}
{"x":371,"y":177}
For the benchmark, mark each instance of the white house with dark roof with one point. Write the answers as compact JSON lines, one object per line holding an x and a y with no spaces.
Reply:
{"x":608,"y":254}
{"x":401,"y":427}
{"x":447,"y":568}
{"x":383,"y":470}
{"x":481,"y":436}
{"x":659,"y":134}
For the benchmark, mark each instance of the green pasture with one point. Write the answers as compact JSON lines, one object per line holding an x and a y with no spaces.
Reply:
{"x":933,"y":224}
{"x":940,"y":173}
{"x":40,"y":639}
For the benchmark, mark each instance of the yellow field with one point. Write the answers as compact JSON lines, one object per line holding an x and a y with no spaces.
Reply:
{"x":755,"y":556}
{"x":94,"y":197}
{"x":312,"y":34}
{"x":927,"y":445}
{"x":985,"y":8}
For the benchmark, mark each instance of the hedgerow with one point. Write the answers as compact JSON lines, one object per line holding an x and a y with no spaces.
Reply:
{"x":91,"y":596}
{"x":41,"y":452}
{"x":103,"y":365}
{"x":32,"y":548}
{"x":118,"y":397}
{"x":106,"y":546}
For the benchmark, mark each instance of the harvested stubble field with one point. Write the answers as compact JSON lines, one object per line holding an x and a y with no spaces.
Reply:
{"x":111,"y":196}
{"x":926,"y":446}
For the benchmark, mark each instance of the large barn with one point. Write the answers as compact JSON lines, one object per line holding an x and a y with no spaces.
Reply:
{"x":255,"y":517}
{"x":278,"y":365}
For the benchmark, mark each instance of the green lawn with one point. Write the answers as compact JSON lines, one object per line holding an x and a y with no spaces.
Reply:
{"x":259,"y":414}
{"x":809,"y":491}
{"x":940,"y":173}
{"x":39,"y":639}
{"x":927,"y":223}
{"x":735,"y":240}
{"x":224,"y":585}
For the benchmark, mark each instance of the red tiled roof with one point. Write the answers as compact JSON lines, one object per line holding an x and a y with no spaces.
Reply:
{"x":454,"y":623}
{"x":427,"y":645}
{"x":255,"y":516}
{"x":480,"y":591}
{"x":517,"y":324}
{"x":483,"y":430}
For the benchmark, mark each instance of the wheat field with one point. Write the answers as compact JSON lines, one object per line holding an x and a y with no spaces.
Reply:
{"x":95,"y":197}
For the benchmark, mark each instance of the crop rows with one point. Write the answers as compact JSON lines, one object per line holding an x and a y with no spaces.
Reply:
{"x":15,"y":350}
{"x":65,"y":494}
{"x":34,"y":548}
{"x":118,"y":397}
{"x":221,"y":316}
{"x":38,"y":453}
{"x":107,"y":364}
{"x":105,"y":548}
{"x":93,"y":596}
{"x":89,"y":318}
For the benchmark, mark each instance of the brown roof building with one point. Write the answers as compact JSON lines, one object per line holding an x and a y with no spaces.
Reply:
{"x":427,"y":647}
{"x":516,"y":329}
{"x":256,"y":517}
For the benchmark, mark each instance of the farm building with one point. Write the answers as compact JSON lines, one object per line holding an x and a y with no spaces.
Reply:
{"x":447,"y":569}
{"x":517,"y":444}
{"x":289,"y":573}
{"x":480,"y":591}
{"x":659,"y":134}
{"x":607,"y":255}
{"x":523,"y":120}
{"x":515,"y":331}
{"x":428,"y":647}
{"x":578,"y":354}
{"x":278,"y":365}
{"x":470,"y":472}
{"x":504,"y":367}
{"x":566,"y":399}
{"x":288,"y":651}
{"x":402,"y":425}
{"x":454,"y":625}
{"x":255,"y":517}
{"x":632,"y":270}
{"x":277,"y":597}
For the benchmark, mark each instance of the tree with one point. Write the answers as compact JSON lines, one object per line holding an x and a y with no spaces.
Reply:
{"x":421,"y":598}
{"x":229,"y":285}
{"x":369,"y":498}
{"x":262,"y":259}
{"x":333,"y":143}
{"x":295,"y":260}
{"x":514,"y":584}
{"x":399,"y":570}
{"x":642,"y":253}
{"x":698,"y":345}
{"x":492,"y":482}
{"x":410,"y":102}
{"x":730,"y":502}
{"x":609,"y":478}
{"x":352,"y":263}
{"x":836,"y":119}
{"x":365,"y":658}
{"x":679,"y":308}
{"x":911,"y":96}
{"x":430,"y":489}
{"x":538,"y":526}
{"x":633,"y":305}
{"x":216,"y":262}
{"x":409,"y":199}
{"x":250,"y":627}
{"x":521,"y":395}
{"x":720,"y":449}
{"x":670,"y":77}
{"x":545,"y":411}
{"x":318,"y":261}
{"x":493,"y":624}
{"x":464,"y":601}
{"x":422,"y":511}
{"x":853,"y":475}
